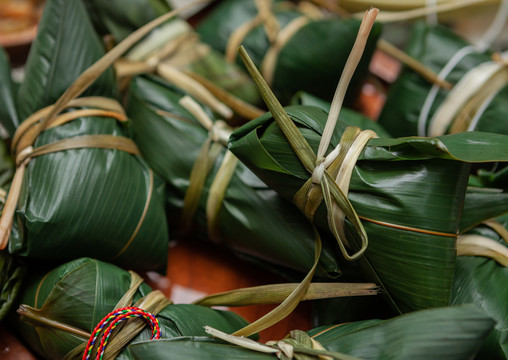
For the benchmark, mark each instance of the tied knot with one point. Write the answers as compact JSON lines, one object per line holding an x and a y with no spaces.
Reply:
{"x":322,"y":163}
{"x":24,"y":155}
{"x":319,"y":170}
{"x":220,"y":132}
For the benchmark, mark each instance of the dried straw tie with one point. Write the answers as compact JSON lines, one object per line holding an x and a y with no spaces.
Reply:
{"x":278,"y":37}
{"x":153,"y":303}
{"x":422,"y":9}
{"x":218,"y":136}
{"x":161,"y":63}
{"x":23,"y":142}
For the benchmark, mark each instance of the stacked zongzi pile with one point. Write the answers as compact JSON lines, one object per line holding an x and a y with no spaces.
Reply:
{"x":401,"y":212}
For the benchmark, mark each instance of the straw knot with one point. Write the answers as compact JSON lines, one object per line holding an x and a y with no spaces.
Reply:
{"x":220,"y":132}
{"x":24,"y":155}
{"x":319,"y":170}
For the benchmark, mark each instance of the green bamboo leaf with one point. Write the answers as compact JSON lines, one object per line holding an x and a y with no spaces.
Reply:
{"x":443,"y":333}
{"x":8,"y":110}
{"x":477,"y":147}
{"x":6,"y":168}
{"x":77,"y":295}
{"x":482,"y":204}
{"x":482,"y":281}
{"x":352,"y":118}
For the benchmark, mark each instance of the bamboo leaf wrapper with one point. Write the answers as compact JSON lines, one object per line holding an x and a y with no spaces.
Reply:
{"x":104,"y":203}
{"x":8,"y":112}
{"x":11,"y":278}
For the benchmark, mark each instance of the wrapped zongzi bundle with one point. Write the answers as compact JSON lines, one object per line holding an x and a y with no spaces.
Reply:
{"x":294,"y":45}
{"x":172,"y":50}
{"x":401,"y":196}
{"x":81,"y":187}
{"x":60,"y":310}
{"x":482,"y":280}
{"x":226,"y":200}
{"x":477,"y":100}
{"x":454,"y":333}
